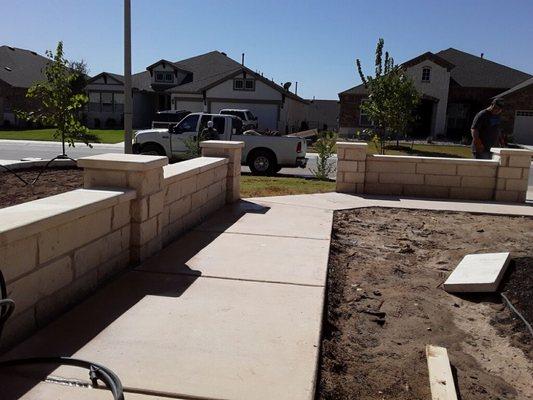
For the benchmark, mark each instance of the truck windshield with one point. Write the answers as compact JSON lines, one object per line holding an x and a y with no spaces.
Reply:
{"x":189,"y":124}
{"x":250,"y":116}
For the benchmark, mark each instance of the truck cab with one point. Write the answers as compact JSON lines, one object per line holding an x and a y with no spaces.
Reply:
{"x":265,"y":155}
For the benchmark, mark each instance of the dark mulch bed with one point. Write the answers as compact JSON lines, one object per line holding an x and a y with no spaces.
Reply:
{"x":385,"y":304}
{"x":52,"y":181}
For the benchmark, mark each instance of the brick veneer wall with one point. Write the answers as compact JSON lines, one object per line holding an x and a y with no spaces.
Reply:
{"x":504,"y":178}
{"x":521,"y":100}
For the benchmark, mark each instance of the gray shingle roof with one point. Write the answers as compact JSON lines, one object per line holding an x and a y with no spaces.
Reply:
{"x":473,"y":71}
{"x":520,"y":86}
{"x":207,"y":69}
{"x":359,"y":89}
{"x":24,"y":67}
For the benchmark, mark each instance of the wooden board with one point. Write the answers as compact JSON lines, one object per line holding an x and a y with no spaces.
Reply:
{"x":440,"y":374}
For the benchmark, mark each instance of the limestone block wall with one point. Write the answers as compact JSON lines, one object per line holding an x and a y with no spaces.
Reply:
{"x":56,"y":250}
{"x":193,"y":190}
{"x":504,"y":178}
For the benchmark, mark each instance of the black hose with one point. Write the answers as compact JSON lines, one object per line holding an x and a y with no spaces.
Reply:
{"x":514,"y":309}
{"x":96,"y":371}
{"x":34,"y":181}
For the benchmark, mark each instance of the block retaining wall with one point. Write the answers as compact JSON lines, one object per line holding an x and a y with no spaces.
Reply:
{"x":57,"y":250}
{"x":504,"y":178}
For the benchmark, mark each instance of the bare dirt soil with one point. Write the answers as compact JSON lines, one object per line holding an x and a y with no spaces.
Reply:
{"x":52,"y":181}
{"x":385,"y":303}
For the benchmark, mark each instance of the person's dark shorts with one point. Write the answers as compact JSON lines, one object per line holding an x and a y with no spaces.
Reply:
{"x":484,"y":155}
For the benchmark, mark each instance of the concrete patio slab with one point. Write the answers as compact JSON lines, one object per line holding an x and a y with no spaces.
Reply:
{"x":341,"y":201}
{"x":248,"y":257}
{"x":25,"y":388}
{"x":478,"y":273}
{"x":273,"y":219}
{"x":178,"y":335}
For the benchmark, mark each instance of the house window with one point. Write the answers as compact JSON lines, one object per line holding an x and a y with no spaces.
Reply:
{"x":238,"y":84}
{"x":249,"y":84}
{"x":118,"y":101}
{"x":244,"y":84}
{"x":107,"y":102}
{"x":363,"y":117}
{"x":168,"y":77}
{"x":94,"y":101}
{"x":426,"y":74}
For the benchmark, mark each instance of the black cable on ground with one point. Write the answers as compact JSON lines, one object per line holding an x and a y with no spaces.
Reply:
{"x":96,"y":371}
{"x":514,"y":309}
{"x":34,"y":181}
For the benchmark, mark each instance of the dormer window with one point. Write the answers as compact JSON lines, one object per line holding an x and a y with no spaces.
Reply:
{"x":426,"y":74}
{"x":165,"y":77}
{"x":244,"y":84}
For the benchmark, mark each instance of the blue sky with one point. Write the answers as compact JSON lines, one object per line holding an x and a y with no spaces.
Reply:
{"x":312,"y":42}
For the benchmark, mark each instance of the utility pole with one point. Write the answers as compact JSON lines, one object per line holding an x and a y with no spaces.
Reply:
{"x":127,"y":79}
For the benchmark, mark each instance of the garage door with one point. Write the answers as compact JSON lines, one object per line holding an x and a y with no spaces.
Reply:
{"x":267,"y":114}
{"x":523,"y":127}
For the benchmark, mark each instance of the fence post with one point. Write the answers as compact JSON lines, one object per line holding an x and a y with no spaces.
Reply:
{"x":351,"y":167}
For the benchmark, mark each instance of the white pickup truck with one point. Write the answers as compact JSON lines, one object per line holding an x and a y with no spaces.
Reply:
{"x":265,"y":155}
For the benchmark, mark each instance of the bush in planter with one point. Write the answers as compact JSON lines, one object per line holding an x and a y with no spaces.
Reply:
{"x":111,"y":123}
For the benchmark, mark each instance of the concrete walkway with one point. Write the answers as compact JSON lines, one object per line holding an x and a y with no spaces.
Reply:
{"x":232,"y":310}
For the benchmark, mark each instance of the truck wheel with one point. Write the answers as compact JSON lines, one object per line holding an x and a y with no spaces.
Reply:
{"x":152,"y":149}
{"x":262,"y":163}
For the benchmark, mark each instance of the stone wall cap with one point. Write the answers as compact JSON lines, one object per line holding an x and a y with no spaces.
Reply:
{"x":355,"y":145}
{"x":123,"y":162}
{"x":184,"y":169}
{"x":222,"y":144}
{"x":515,"y":152}
{"x":26,"y":219}
{"x":431,"y":160}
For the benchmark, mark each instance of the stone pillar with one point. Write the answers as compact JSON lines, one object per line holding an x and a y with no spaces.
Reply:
{"x":351,"y":167}
{"x":144,"y":174}
{"x":513,"y":174}
{"x":233,"y":152}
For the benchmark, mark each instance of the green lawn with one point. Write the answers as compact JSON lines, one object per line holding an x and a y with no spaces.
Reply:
{"x":422,"y":150}
{"x":105,"y":135}
{"x":258,"y":186}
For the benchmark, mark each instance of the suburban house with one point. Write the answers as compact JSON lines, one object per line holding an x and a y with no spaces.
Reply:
{"x":209,"y":82}
{"x":19,"y":69}
{"x":517,"y":117}
{"x":323,"y":114}
{"x":454,"y":86}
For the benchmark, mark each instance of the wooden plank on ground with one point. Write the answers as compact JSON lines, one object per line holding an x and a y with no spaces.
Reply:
{"x":440,"y":374}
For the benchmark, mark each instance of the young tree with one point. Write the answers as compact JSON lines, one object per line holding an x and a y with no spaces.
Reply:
{"x":59,"y":100}
{"x":325,"y":147}
{"x":392,"y":98}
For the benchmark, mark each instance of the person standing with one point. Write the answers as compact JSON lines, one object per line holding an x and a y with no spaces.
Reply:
{"x":486,"y":131}
{"x":210,"y":132}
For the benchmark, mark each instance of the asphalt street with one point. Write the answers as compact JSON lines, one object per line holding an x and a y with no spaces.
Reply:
{"x":18,"y":149}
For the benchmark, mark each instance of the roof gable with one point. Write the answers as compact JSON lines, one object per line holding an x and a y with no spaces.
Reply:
{"x":429,"y":56}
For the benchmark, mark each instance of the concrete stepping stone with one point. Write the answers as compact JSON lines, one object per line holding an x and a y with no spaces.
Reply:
{"x":273,"y":220}
{"x":240,"y":256}
{"x":478,"y":273}
{"x":185,"y":336}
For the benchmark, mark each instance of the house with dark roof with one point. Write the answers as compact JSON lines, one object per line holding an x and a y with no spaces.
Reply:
{"x":209,"y":82}
{"x":517,"y":116}
{"x":19,"y":69}
{"x":454,"y":86}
